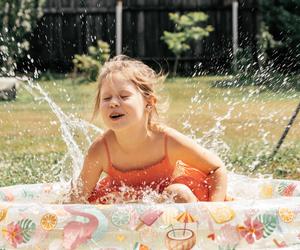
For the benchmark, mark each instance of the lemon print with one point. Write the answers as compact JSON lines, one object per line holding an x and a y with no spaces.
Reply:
{"x":286,"y":214}
{"x":104,"y":206}
{"x":48,"y":221}
{"x":266,"y":191}
{"x":169,"y":216}
{"x":120,"y":218}
{"x":120,"y":237}
{"x":221,"y":214}
{"x":3,"y":212}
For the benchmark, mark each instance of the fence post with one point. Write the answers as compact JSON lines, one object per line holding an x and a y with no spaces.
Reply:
{"x":119,"y":7}
{"x":141,"y":30}
{"x":235,"y":7}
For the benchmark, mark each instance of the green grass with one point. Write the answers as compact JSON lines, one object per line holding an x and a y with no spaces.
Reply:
{"x":30,"y":139}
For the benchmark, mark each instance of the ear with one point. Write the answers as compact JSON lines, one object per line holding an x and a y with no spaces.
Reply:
{"x":151,"y":100}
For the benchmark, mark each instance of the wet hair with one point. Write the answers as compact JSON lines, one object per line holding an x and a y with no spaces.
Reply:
{"x":145,"y":79}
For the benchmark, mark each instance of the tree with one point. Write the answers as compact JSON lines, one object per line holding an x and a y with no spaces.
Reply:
{"x":187,"y":29}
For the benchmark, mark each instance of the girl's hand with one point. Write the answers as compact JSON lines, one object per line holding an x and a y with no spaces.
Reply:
{"x":181,"y":193}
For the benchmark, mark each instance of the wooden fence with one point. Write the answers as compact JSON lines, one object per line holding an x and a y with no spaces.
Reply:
{"x":70,"y":26}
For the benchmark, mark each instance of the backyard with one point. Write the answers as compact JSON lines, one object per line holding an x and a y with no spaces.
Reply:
{"x":242,"y":124}
{"x":231,"y":83}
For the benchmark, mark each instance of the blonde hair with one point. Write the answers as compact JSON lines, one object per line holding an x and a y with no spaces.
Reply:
{"x":145,"y":79}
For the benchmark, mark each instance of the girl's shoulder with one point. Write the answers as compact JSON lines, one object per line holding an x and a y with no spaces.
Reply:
{"x":179,"y":146}
{"x":187,"y":150}
{"x":99,"y":141}
{"x":98,"y":150}
{"x":176,"y":138}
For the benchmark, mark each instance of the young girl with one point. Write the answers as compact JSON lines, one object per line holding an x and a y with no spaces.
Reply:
{"x":138,"y":152}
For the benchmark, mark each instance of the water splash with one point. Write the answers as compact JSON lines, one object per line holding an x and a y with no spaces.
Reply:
{"x":237,"y":105}
{"x":68,"y":125}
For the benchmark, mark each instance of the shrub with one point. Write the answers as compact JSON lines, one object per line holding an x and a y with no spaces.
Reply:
{"x":17,"y":19}
{"x":282,"y":19}
{"x":89,"y":64}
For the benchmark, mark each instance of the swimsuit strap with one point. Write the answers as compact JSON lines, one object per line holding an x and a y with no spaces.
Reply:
{"x":107,"y":151}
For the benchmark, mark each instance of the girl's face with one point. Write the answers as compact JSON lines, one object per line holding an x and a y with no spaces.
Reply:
{"x":121,"y":104}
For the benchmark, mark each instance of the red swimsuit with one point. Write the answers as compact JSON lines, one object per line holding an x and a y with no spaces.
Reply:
{"x":156,"y":177}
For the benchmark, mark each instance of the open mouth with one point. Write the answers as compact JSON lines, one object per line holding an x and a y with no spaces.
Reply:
{"x":116,"y":116}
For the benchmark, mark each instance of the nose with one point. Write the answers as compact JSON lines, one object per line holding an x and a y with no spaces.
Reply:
{"x":114,"y":102}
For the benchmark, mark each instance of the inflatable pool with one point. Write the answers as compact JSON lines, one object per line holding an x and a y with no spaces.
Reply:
{"x":264,"y":215}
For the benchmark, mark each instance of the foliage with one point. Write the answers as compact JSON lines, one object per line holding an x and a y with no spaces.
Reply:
{"x":90,"y":64}
{"x":28,"y":228}
{"x":260,"y":71}
{"x":187,"y":29}
{"x":266,"y":42}
{"x":244,"y":61}
{"x":282,"y":18}
{"x":246,"y":64}
{"x":278,"y":49}
{"x":17,"y":19}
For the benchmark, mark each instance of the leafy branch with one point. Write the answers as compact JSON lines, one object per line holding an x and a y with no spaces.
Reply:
{"x":187,"y":29}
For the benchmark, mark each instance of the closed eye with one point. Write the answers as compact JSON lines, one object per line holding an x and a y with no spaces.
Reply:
{"x":106,"y":98}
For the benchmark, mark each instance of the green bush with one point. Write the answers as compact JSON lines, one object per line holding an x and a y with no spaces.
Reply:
{"x":282,"y":19}
{"x":262,"y":71}
{"x":89,"y":64}
{"x":278,"y":50}
{"x":17,"y":19}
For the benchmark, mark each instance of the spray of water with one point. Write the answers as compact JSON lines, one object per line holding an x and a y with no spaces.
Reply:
{"x":265,"y":84}
{"x":68,"y":124}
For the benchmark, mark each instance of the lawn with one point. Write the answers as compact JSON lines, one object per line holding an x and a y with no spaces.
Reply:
{"x":242,"y":124}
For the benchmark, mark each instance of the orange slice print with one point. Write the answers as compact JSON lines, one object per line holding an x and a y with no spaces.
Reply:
{"x":286,"y":214}
{"x":48,"y":221}
{"x":3,"y":212}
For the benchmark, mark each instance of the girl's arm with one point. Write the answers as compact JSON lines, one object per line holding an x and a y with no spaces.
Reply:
{"x":217,"y":183}
{"x":90,"y":173}
{"x":180,"y":147}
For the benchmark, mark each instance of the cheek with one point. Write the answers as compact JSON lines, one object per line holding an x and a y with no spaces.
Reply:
{"x":103,"y":108}
{"x":103,"y":105}
{"x":138,"y":107}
